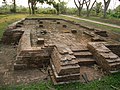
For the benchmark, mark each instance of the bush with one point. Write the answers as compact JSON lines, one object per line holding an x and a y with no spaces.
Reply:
{"x":46,"y":11}
{"x":71,"y":11}
{"x":116,"y":15}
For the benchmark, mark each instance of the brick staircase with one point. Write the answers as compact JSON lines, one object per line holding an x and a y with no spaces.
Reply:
{"x":64,"y":67}
{"x":105,"y":57}
{"x":83,"y":55}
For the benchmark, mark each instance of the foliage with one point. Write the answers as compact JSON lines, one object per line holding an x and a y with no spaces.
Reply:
{"x":9,"y":9}
{"x":116,"y":13}
{"x":14,"y":5}
{"x":71,"y":11}
{"x":32,"y":4}
{"x":46,"y":11}
{"x":98,"y":8}
{"x":56,"y":6}
{"x":63,"y":7}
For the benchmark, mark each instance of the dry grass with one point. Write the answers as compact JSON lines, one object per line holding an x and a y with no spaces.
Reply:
{"x":5,"y":20}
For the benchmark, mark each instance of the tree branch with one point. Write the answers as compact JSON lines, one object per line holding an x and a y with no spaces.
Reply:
{"x":76,"y":4}
{"x":92,"y":5}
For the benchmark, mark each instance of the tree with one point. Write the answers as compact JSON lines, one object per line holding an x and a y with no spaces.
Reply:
{"x":63,"y":7}
{"x":98,"y":7}
{"x":106,"y":5}
{"x":88,"y":6}
{"x":32,"y":4}
{"x":14,"y":6}
{"x":79,"y":4}
{"x":116,"y":12}
{"x":56,"y":6}
{"x":29,"y":5}
{"x":4,"y":2}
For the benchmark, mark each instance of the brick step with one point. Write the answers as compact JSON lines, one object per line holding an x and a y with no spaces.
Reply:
{"x":65,"y":78}
{"x":114,"y":71}
{"x":109,"y":55}
{"x":68,"y":63}
{"x":20,"y":66}
{"x":86,"y":61}
{"x":79,"y":50}
{"x":65,"y":70}
{"x":83,"y":54}
{"x":115,"y":65}
{"x":56,"y":79}
{"x":59,"y":83}
{"x":68,"y":60}
{"x":113,"y":60}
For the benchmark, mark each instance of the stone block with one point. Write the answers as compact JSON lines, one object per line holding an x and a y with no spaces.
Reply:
{"x":41,"y":26}
{"x":58,"y":22}
{"x":40,"y":41}
{"x":74,"y":31}
{"x":64,"y":26}
{"x":20,"y":66}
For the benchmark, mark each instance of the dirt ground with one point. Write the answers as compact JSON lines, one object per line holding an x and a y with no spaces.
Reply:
{"x":7,"y":74}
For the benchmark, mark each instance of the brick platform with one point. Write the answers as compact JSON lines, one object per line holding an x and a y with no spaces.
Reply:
{"x":70,"y":49}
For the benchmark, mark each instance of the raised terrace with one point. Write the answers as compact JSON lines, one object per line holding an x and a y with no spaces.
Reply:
{"x":71,"y":51}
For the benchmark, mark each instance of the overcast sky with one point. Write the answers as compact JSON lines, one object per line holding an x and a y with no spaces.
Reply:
{"x":113,"y":4}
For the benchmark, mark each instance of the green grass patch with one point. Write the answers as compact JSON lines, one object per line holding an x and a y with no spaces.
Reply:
{"x":107,"y":20}
{"x":111,"y":82}
{"x":1,"y":16}
{"x":5,"y":20}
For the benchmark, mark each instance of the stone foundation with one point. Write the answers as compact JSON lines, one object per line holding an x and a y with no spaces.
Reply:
{"x":70,"y":49}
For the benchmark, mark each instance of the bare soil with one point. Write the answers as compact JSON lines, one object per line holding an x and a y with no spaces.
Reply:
{"x":7,"y":74}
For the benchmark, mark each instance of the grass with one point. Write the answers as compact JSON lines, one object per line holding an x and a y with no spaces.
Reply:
{"x":109,"y":20}
{"x":5,"y":20}
{"x":111,"y":82}
{"x":1,"y":16}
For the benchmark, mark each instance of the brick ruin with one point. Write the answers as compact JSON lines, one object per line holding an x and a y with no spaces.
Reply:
{"x":70,"y":49}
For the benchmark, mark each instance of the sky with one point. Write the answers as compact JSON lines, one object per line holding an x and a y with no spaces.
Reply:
{"x":113,"y":4}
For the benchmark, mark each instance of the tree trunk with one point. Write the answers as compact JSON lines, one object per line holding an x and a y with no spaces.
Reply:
{"x":29,"y":8}
{"x":79,"y":11}
{"x":33,"y":9}
{"x":58,"y":9}
{"x":88,"y":13}
{"x":106,"y":5}
{"x":105,"y":12}
{"x":14,"y":4}
{"x":79,"y":7}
